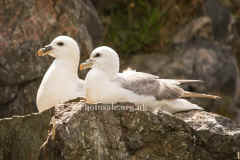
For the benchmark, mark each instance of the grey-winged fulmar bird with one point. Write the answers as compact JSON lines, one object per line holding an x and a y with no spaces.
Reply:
{"x":135,"y":87}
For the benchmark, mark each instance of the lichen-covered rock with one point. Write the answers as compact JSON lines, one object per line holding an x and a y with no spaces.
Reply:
{"x":84,"y":134}
{"x":22,"y":136}
{"x":25,"y":27}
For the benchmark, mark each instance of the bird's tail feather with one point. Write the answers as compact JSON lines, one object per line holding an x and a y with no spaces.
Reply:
{"x":199,"y":95}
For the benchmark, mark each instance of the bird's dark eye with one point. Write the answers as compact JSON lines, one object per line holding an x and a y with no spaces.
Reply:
{"x":97,"y":55}
{"x":60,"y":43}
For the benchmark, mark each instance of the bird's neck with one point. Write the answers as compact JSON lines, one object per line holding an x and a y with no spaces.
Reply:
{"x":109,"y":70}
{"x":109,"y":74}
{"x":70,"y":66}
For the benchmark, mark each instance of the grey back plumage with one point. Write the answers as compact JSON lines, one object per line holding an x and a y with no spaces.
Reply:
{"x":148,"y":84}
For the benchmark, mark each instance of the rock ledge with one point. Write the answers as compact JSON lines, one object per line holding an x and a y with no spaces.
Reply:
{"x":81,"y":134}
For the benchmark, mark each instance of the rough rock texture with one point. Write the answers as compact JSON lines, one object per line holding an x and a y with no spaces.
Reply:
{"x":22,"y":136}
{"x":83,"y":134}
{"x":25,"y":27}
{"x":210,"y":127}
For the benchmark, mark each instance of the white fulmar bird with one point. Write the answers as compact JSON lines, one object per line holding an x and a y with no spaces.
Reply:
{"x":104,"y":84}
{"x":61,"y":82}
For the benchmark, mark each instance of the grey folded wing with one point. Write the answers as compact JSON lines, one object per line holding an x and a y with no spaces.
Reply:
{"x":130,"y":74}
{"x":150,"y":85}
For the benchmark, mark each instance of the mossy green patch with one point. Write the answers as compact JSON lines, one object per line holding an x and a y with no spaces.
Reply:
{"x":133,"y":25}
{"x":144,"y":26}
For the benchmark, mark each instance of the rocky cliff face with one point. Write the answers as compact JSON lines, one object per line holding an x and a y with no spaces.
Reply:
{"x":79,"y":132}
{"x":84,"y":134}
{"x":25,"y":27}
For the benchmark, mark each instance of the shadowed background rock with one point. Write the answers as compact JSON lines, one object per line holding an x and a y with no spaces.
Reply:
{"x":25,"y":26}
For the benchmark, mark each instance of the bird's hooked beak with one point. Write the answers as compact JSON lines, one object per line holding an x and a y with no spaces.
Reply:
{"x":87,"y":64}
{"x":45,"y":50}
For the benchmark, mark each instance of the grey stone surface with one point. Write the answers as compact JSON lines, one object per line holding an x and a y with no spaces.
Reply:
{"x":84,"y":134}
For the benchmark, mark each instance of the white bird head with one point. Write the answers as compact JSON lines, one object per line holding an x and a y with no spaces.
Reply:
{"x":104,"y":58}
{"x":62,"y":47}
